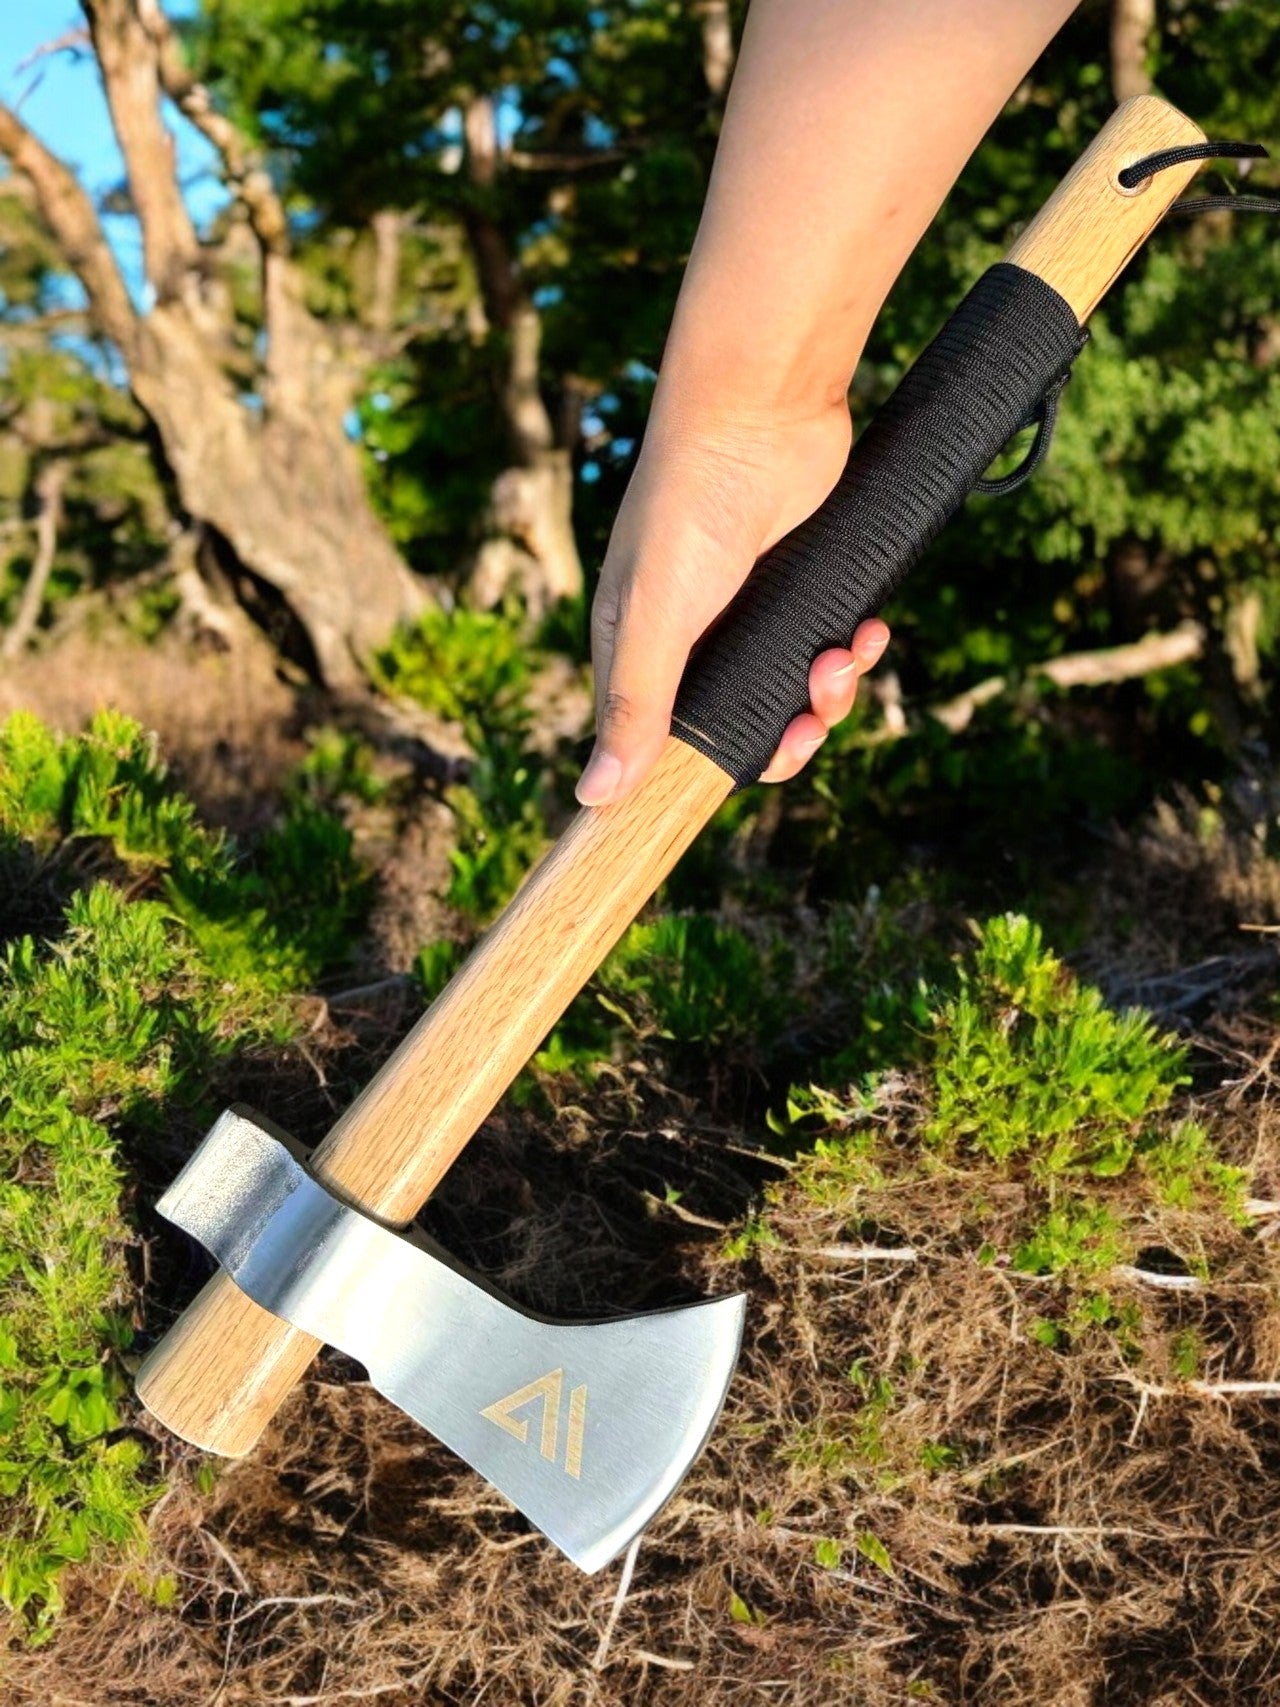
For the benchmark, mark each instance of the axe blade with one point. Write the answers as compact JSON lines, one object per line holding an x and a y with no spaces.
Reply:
{"x":587,"y":1427}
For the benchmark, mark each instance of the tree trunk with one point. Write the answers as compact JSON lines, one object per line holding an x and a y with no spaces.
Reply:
{"x":532,"y":543}
{"x":1133,"y":23}
{"x":284,"y":492}
{"x":275,"y":480}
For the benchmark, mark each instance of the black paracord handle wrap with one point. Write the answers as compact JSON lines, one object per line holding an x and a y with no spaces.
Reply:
{"x":1011,"y":340}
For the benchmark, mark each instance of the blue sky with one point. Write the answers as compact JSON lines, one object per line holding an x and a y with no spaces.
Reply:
{"x":59,"y":96}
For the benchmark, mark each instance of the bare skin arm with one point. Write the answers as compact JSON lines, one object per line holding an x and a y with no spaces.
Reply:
{"x":847,"y":123}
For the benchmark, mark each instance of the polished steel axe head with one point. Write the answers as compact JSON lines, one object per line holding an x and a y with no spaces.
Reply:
{"x":587,"y":1427}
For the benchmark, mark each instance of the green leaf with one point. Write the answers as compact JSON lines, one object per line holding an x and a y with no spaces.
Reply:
{"x":873,"y":1549}
{"x":739,"y":1611}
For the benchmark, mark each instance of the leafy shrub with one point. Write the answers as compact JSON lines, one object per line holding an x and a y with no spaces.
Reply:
{"x":684,"y":978}
{"x":502,"y":829}
{"x":106,"y":783}
{"x":274,"y":921}
{"x":1024,"y":1075}
{"x":1028,"y":1060}
{"x":1080,"y":1239}
{"x":106,"y":1027}
{"x":697,"y":979}
{"x":476,"y":669}
{"x":338,"y":767}
{"x":103,"y":1033}
{"x":471,"y":667}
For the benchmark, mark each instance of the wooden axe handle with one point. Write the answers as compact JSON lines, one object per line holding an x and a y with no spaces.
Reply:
{"x":222,"y":1371}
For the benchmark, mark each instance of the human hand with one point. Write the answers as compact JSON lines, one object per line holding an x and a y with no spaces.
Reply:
{"x":703,"y":504}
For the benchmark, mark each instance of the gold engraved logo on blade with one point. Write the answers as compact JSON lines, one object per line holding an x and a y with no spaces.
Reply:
{"x":549,"y":1391}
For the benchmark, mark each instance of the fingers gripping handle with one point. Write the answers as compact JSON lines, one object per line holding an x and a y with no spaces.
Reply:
{"x":1011,"y":341}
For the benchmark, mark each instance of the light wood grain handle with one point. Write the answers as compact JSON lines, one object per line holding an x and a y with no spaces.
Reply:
{"x":1090,"y":228}
{"x":224,"y":1368}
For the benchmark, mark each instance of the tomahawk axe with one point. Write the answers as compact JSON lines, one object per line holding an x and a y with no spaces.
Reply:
{"x":589,"y":1427}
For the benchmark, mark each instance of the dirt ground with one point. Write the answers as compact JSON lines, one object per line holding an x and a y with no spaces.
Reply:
{"x":1088,"y":1537}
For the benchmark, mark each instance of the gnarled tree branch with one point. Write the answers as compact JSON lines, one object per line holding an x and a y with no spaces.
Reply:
{"x":246,"y":173}
{"x":73,"y":222}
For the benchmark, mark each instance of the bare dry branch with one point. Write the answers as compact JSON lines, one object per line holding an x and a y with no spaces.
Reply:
{"x":70,"y":41}
{"x":50,"y":485}
{"x":866,"y":1253}
{"x":73,"y":222}
{"x":1125,"y":663}
{"x":1101,"y":668}
{"x":565,"y":162}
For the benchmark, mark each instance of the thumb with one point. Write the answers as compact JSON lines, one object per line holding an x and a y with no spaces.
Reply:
{"x":641,"y":640}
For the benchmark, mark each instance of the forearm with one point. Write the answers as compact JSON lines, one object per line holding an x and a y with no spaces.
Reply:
{"x":847,"y":123}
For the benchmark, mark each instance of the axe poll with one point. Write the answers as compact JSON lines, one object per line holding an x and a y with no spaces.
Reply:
{"x":590,"y":1436}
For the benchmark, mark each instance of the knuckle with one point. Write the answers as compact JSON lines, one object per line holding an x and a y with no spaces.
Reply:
{"x":605,"y":619}
{"x":617,"y":711}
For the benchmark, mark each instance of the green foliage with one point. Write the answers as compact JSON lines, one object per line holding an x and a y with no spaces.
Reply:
{"x":108,"y":783}
{"x":1187,"y":1354}
{"x":436,"y":963}
{"x":1024,"y":1075}
{"x":1185,"y":1171}
{"x":873,"y":1549}
{"x":475,"y":668}
{"x":694,"y":979}
{"x":937,"y":1457}
{"x":1030,"y":1064}
{"x":1080,"y":1239}
{"x":471,"y":667}
{"x":105,"y":1032}
{"x":273,"y":922}
{"x":755,"y":1235}
{"x":338,"y":767}
{"x":1027,"y":1060}
{"x":741,"y":1613}
{"x":502,"y":829}
{"x":101,"y":1031}
{"x":687,"y":979}
{"x":877,"y":1394}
